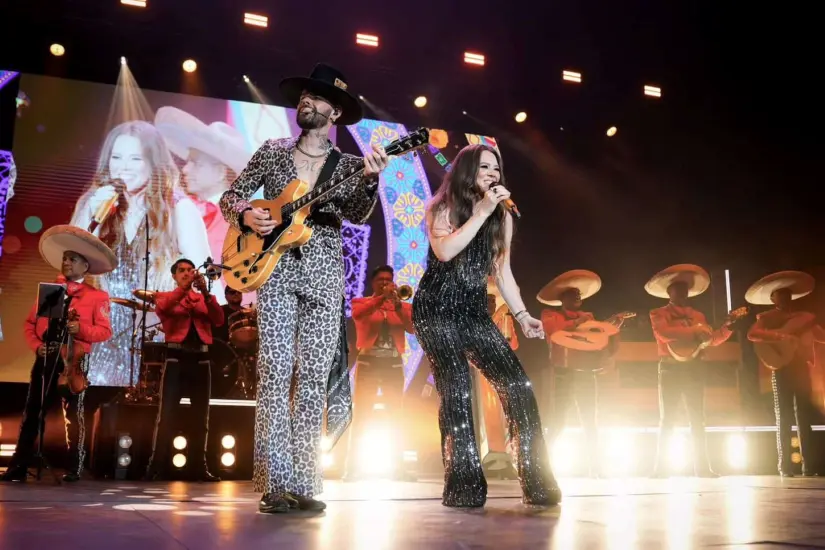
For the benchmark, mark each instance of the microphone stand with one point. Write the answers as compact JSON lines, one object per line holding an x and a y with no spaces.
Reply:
{"x":141,"y":389}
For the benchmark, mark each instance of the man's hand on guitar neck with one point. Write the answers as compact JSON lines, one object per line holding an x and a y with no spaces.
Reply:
{"x":259,"y":221}
{"x":375,"y":162}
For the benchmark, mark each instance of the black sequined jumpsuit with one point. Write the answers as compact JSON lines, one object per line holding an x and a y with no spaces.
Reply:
{"x":453,"y":325}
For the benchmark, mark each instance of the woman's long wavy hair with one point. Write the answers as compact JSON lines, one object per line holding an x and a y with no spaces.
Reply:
{"x":159,"y":196}
{"x":459,"y":193}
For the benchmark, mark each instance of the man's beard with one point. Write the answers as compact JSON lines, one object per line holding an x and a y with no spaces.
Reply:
{"x":310,"y":121}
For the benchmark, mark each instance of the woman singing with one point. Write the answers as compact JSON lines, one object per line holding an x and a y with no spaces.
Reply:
{"x":470,"y":234}
{"x":136,"y":167}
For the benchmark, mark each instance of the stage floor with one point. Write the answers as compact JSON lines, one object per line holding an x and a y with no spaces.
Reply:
{"x":732,"y":512}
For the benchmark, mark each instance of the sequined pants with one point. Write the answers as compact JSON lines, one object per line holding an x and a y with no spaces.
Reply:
{"x":579,"y":388}
{"x":73,"y":416}
{"x":449,"y":343}
{"x":679,"y":381}
{"x":792,"y":400}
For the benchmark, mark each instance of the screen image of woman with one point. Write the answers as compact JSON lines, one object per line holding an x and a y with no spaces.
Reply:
{"x":136,"y":174}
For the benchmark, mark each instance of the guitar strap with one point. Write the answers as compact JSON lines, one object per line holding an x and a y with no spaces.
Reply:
{"x":329,"y":166}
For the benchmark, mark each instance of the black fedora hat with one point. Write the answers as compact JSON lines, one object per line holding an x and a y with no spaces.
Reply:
{"x":328,"y":83}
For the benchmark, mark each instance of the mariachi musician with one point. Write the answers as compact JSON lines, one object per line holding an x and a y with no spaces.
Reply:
{"x":188,"y":314}
{"x":381,"y":321}
{"x":575,"y":368}
{"x":682,"y":335}
{"x":61,"y":346}
{"x":784,"y":339}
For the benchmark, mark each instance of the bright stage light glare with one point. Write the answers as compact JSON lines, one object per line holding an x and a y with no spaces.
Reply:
{"x":124,"y":460}
{"x":653,"y":91}
{"x":122,"y":60}
{"x":190,"y":66}
{"x":521,"y":117}
{"x":179,"y":460}
{"x":135,"y":3}
{"x":571,"y":76}
{"x":57,"y":50}
{"x":474,"y":59}
{"x":326,"y":444}
{"x":246,"y":79}
{"x":256,"y":20}
{"x":228,"y":459}
{"x":420,"y":101}
{"x":620,"y":453}
{"x":228,"y":442}
{"x":611,"y":131}
{"x":376,"y":451}
{"x":179,"y":443}
{"x":564,"y":454}
{"x":370,"y":40}
{"x":327,"y":460}
{"x":124,"y":442}
{"x":678,"y":452}
{"x":737,"y":451}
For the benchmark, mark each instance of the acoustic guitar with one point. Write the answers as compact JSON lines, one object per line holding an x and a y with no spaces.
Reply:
{"x":799,"y":344}
{"x":591,"y":335}
{"x":252,"y":258}
{"x":688,"y":350}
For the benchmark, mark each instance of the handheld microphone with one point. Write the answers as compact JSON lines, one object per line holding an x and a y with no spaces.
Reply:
{"x":511,"y":207}
{"x":108,"y":207}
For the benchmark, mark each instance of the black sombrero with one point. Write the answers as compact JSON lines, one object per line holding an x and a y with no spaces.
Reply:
{"x":328,"y":83}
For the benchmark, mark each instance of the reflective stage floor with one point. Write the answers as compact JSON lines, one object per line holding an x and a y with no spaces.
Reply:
{"x":732,"y":512}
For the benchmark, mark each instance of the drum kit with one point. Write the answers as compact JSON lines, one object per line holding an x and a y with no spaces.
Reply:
{"x":234,"y":372}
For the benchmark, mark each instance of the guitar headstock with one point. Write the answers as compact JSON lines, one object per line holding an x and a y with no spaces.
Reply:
{"x":738,"y":313}
{"x":414,"y":140}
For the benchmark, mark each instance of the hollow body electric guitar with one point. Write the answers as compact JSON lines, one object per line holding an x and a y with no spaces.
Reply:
{"x":252,"y":258}
{"x":591,"y":335}
{"x":688,"y":350}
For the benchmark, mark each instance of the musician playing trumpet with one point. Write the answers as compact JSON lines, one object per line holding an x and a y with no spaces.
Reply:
{"x":793,"y":331}
{"x":380,"y":323}
{"x":188,"y":314}
{"x":574,"y":374}
{"x":681,"y":377}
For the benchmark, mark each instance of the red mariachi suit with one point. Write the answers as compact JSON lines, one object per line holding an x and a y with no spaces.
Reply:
{"x":92,"y":305}
{"x":178,"y":309}
{"x":368,"y":314}
{"x":792,"y":392}
{"x":682,"y":379}
{"x":573,"y":380}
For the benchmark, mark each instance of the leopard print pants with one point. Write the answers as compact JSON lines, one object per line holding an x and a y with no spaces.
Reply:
{"x":299,"y":315}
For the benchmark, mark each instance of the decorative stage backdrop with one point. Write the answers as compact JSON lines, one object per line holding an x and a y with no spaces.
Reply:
{"x":174,"y":154}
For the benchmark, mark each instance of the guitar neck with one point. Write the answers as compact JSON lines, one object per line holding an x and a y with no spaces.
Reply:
{"x":322,"y":190}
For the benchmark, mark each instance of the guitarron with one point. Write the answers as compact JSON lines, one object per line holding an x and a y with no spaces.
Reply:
{"x":252,"y":258}
{"x":780,"y":353}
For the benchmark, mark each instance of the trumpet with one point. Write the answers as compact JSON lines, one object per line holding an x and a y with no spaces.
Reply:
{"x":405,"y":292}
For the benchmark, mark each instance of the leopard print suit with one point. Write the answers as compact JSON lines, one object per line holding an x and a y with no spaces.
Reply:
{"x":299,"y":311}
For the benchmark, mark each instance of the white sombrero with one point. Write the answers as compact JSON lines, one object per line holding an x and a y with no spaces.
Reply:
{"x":61,"y":238}
{"x":587,"y":282}
{"x":697,"y":279}
{"x":219,"y":140}
{"x":800,"y":283}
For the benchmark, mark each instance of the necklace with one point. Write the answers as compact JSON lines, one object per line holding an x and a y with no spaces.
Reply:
{"x":311,"y":155}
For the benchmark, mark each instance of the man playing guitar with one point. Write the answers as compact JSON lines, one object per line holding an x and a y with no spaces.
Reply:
{"x":788,"y":327}
{"x":680,"y":377}
{"x":77,"y":254}
{"x":303,"y":297}
{"x":574,"y":373}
